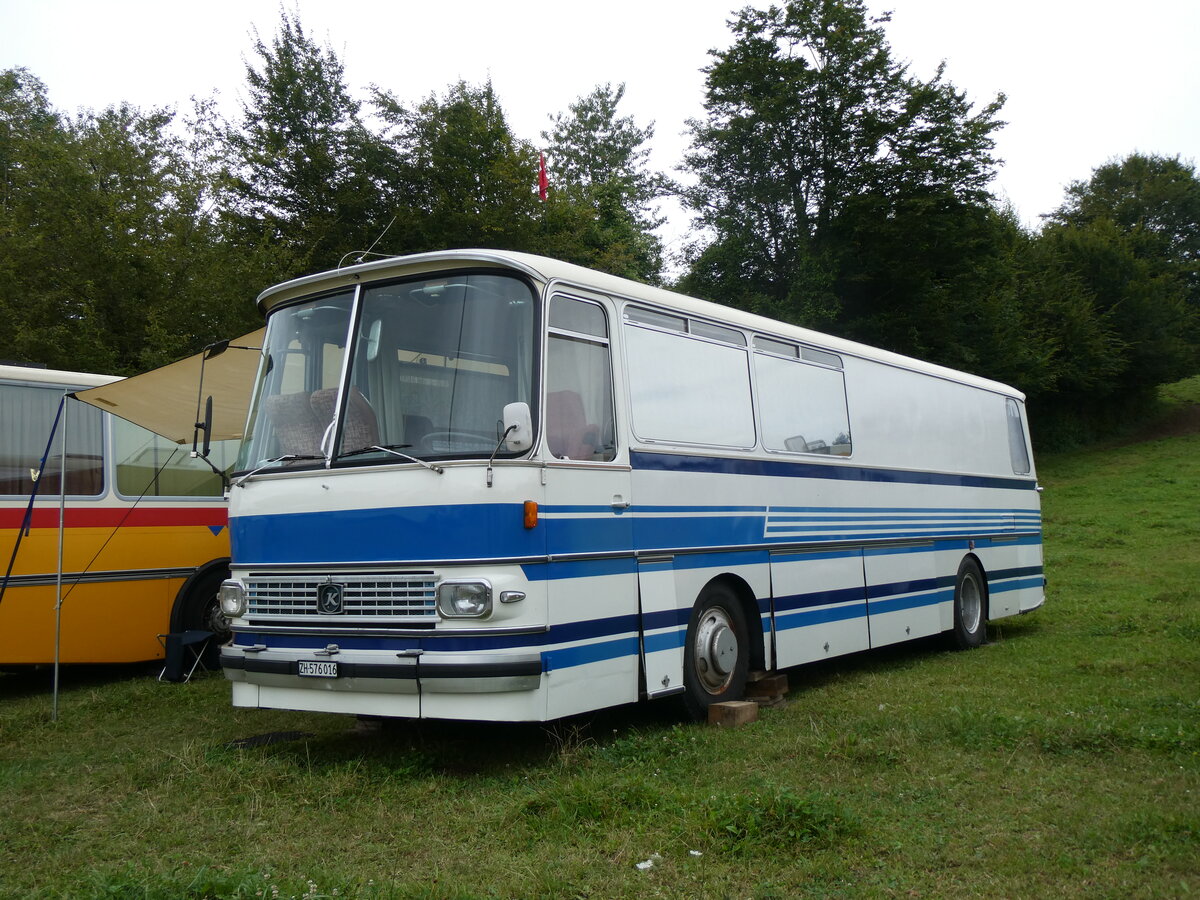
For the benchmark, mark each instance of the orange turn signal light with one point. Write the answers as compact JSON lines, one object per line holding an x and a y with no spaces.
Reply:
{"x":530,"y":513}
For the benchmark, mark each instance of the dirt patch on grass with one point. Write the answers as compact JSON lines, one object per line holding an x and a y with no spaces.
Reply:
{"x":1179,"y":422}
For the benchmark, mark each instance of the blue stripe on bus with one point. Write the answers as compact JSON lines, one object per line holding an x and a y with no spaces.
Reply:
{"x":1024,"y":571}
{"x":911,"y":601}
{"x":819,"y":598}
{"x":664,"y":640}
{"x":670,"y":462}
{"x":1018,"y":585}
{"x":490,"y":532}
{"x":439,"y":533}
{"x":387,"y":533}
{"x":447,"y":642}
{"x":666,"y":618}
{"x":879,"y":591}
{"x":559,"y":570}
{"x":819,"y":616}
{"x":617,"y":636}
{"x":567,"y":657}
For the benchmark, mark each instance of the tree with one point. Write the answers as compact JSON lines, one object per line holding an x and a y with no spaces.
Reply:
{"x":110,"y":256}
{"x":462,"y":179}
{"x":307,"y":173}
{"x":46,"y":320}
{"x":1144,"y":307}
{"x":806,"y":115}
{"x":1154,"y":201}
{"x":599,"y":160}
{"x":1124,"y":245}
{"x":935,"y":277}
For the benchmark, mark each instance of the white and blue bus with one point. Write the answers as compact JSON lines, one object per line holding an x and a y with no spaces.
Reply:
{"x":493,"y":486}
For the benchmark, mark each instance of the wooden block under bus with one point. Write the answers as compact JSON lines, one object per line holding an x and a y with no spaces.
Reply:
{"x":767,"y":686}
{"x":733,"y":713}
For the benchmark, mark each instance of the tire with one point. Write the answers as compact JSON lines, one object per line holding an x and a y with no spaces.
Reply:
{"x":970,"y":607}
{"x":716,"y":655}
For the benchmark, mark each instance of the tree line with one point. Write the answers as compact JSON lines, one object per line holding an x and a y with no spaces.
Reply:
{"x":830,"y":187}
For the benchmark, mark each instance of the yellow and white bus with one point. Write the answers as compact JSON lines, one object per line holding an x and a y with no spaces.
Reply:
{"x":145,"y":539}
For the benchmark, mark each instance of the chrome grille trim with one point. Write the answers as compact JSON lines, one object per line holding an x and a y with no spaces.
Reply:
{"x":368,"y":597}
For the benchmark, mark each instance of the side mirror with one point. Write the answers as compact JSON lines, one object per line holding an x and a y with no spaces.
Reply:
{"x":203,"y":430}
{"x":208,"y":413}
{"x":518,"y":426}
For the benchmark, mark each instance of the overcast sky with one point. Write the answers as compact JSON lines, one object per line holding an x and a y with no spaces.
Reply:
{"x":1086,"y":80}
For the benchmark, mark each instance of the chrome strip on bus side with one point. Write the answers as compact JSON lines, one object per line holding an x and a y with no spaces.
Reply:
{"x":42,"y":580}
{"x":647,"y":555}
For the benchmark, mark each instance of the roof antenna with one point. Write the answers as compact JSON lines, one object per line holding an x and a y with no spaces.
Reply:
{"x":363,"y":254}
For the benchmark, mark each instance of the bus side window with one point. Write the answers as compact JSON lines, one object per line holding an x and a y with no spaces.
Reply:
{"x":151,"y":466}
{"x":803,"y":406}
{"x":29,"y":412}
{"x":1016,"y":440}
{"x":579,"y":402}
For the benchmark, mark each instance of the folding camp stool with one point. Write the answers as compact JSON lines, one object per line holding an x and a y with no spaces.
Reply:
{"x":177,"y":646}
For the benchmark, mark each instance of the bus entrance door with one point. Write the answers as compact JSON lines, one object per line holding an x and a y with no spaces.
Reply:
{"x":592,"y":591}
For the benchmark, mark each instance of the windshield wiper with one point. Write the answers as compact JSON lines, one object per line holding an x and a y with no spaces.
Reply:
{"x":288,"y":457}
{"x":394,"y":450}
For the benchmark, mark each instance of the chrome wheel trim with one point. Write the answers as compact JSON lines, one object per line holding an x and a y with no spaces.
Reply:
{"x":970,"y":603}
{"x":715,"y":650}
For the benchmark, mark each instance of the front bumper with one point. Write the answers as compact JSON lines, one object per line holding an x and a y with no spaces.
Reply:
{"x":383,"y":672}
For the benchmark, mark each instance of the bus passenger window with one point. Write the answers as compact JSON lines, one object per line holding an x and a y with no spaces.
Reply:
{"x":579,"y":400}
{"x":803,"y":407}
{"x":1016,"y":440}
{"x":29,"y":411}
{"x":151,"y":466}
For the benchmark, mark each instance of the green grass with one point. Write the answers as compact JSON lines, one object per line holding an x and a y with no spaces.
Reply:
{"x":1062,"y":759}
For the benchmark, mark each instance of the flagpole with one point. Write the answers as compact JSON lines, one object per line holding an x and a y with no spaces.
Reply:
{"x":62,"y":507}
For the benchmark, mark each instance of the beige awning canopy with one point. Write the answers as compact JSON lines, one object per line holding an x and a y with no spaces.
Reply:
{"x":164,"y":399}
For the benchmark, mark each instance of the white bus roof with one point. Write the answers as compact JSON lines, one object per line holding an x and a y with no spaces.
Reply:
{"x":36,"y":375}
{"x":546,"y":270}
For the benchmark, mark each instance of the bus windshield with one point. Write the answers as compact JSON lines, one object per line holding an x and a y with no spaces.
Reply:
{"x":429,"y":368}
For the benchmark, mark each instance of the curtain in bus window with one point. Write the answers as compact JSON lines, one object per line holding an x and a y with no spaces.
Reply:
{"x":803,"y":407}
{"x":438,"y":360}
{"x":579,"y":408}
{"x":303,"y":354}
{"x":28,"y":416}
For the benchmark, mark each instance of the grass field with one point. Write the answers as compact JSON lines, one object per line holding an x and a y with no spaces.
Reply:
{"x":1062,"y":759}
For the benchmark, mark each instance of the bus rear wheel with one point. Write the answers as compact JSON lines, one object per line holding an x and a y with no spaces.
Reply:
{"x":970,"y":607}
{"x":716,"y":652}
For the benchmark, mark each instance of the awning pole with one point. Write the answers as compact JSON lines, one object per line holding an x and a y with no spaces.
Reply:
{"x":62,"y":508}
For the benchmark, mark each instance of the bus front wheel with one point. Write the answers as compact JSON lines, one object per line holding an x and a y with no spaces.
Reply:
{"x":970,"y":606}
{"x":716,"y":654}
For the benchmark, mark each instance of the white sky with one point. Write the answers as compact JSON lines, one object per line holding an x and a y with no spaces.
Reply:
{"x":1087,"y":80}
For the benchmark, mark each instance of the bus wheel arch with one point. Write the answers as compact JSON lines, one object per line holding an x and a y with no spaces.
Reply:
{"x":719,"y":645}
{"x":970,"y":605}
{"x":196,"y":604}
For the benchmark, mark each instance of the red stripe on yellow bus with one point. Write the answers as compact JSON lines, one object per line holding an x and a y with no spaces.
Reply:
{"x":111,"y":517}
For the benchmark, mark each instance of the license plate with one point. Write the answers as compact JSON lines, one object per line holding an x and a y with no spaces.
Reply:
{"x":313,"y":669}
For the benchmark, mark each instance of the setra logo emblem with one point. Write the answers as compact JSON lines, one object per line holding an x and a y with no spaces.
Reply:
{"x":330,"y":597}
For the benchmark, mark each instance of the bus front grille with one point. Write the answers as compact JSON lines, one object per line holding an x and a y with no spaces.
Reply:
{"x":361,"y":598}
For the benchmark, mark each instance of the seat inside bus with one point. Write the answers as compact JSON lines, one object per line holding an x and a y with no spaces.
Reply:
{"x":568,"y":433}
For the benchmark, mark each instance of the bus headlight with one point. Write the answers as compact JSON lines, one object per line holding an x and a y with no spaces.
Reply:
{"x":464,"y":599}
{"x":233,"y":598}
